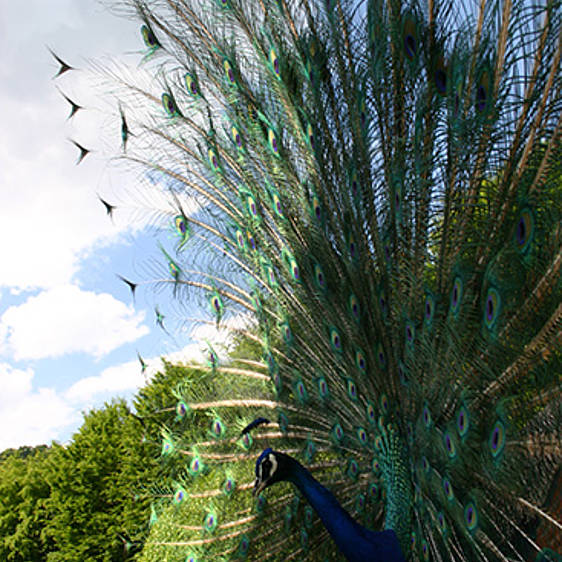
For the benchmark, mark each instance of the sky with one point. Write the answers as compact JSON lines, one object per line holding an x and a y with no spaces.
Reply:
{"x":69,"y":329}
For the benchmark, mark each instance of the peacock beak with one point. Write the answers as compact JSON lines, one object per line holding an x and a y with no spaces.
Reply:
{"x":259,"y":487}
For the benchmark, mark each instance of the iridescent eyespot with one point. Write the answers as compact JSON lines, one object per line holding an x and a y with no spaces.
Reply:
{"x":181,"y":225}
{"x":362,"y":436}
{"x":229,"y":485}
{"x":352,"y":469}
{"x":483,"y":90}
{"x":374,"y":491}
{"x":496,"y":441}
{"x":360,"y":360}
{"x":217,"y":428}
{"x":191,"y":85}
{"x":352,"y":246}
{"x":323,"y":388}
{"x":252,"y":207}
{"x":181,"y":409}
{"x":491,"y":308}
{"x":354,"y":308}
{"x":243,"y":546}
{"x":448,"y":489}
{"x":441,"y":522}
{"x":316,"y":208}
{"x":310,"y":135}
{"x":319,"y":277}
{"x":384,"y":403}
{"x":463,"y":421}
{"x":229,"y":72}
{"x":273,"y":142}
{"x":213,"y":160}
{"x":381,"y":357}
{"x":169,"y":105}
{"x":429,"y":308}
{"x":210,"y":522}
{"x":449,"y":443}
{"x":426,"y":416}
{"x":236,"y":137}
{"x":410,"y":332}
{"x":371,"y":414}
{"x":195,"y":466}
{"x":300,"y":391}
{"x":351,"y":390}
{"x":471,"y":516}
{"x":304,"y":539}
{"x":149,"y":38}
{"x":337,"y":432}
{"x":456,"y":295}
{"x":167,"y":446}
{"x":524,"y":230}
{"x":179,"y":495}
{"x":410,"y":38}
{"x":425,"y":550}
{"x":274,"y":61}
{"x":335,"y":340}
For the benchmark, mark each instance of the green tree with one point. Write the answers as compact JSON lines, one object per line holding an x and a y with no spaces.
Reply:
{"x":23,"y":512}
{"x":93,"y":488}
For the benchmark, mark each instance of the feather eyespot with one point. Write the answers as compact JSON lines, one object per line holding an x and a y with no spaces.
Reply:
{"x":491,"y":308}
{"x":351,"y":390}
{"x":244,"y":546}
{"x":463,"y":422}
{"x":323,"y":388}
{"x":149,"y":38}
{"x":354,"y":308}
{"x":335,"y":340}
{"x":236,"y":137}
{"x":169,"y":104}
{"x":450,"y":446}
{"x":371,"y":414}
{"x":229,"y":71}
{"x":524,"y":230}
{"x":210,"y":522}
{"x":456,"y":296}
{"x":191,"y":85}
{"x":471,"y":516}
{"x":319,"y":277}
{"x":496,"y":441}
{"x":181,"y":409}
{"x":448,"y":489}
{"x":274,"y":61}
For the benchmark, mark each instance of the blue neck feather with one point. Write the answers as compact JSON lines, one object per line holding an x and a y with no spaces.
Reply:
{"x":357,"y":543}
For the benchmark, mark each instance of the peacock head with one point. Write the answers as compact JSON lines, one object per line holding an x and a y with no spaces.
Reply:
{"x":271,"y":467}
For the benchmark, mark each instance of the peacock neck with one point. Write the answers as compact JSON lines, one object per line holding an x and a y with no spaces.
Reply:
{"x":353,"y":540}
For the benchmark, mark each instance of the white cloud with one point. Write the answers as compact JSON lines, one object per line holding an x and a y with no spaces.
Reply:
{"x":66,"y":319}
{"x":127,"y":376}
{"x":113,"y":380}
{"x":30,"y":417}
{"x":50,"y":212}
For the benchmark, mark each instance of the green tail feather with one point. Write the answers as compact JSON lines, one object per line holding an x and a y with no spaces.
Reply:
{"x":377,"y":192}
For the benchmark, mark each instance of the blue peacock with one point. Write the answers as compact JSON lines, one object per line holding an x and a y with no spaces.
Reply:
{"x":366,"y":197}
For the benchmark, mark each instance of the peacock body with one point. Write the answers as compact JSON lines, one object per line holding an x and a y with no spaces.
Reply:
{"x":366,"y":196}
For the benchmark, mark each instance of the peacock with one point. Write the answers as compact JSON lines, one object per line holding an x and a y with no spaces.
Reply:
{"x":363,"y":197}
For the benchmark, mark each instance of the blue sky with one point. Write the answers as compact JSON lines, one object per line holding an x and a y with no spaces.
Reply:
{"x":69,"y":330}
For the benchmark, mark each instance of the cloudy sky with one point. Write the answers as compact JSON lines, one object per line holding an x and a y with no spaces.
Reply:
{"x":69,"y":330}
